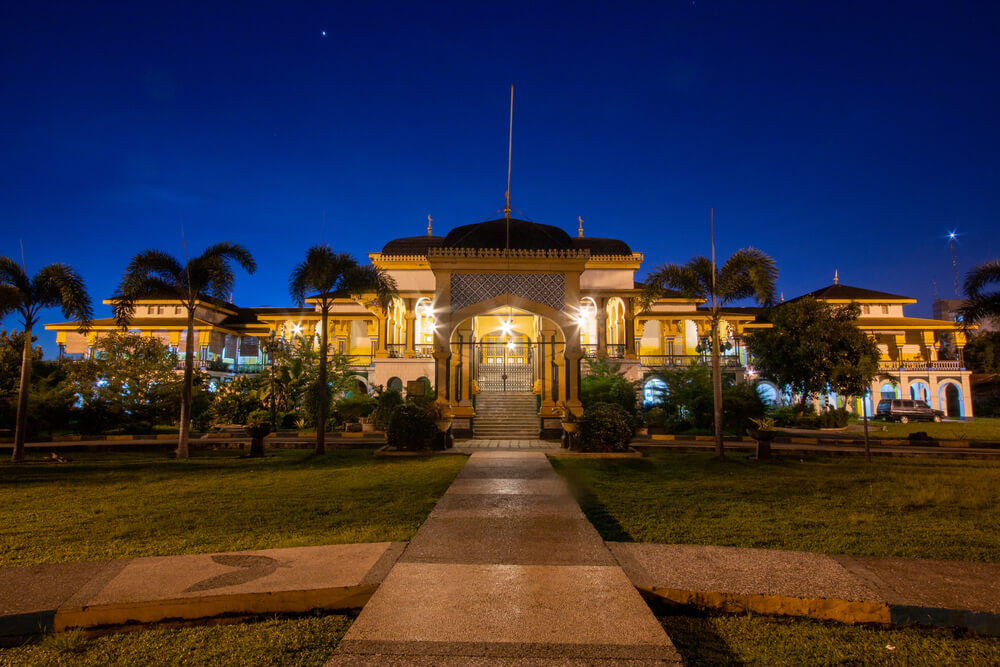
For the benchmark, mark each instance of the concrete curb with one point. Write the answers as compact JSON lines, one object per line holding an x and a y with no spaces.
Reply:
{"x":199,"y":586}
{"x":847,"y":589}
{"x":798,"y":440}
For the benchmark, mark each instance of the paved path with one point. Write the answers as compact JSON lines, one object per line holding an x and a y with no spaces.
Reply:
{"x":506,"y":570}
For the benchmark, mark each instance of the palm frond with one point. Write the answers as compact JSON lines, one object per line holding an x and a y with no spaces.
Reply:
{"x":978,"y":278}
{"x":324,"y":272}
{"x":747,"y":273}
{"x":10,"y":300}
{"x":232,"y":252}
{"x":13,"y":275}
{"x":372,"y":279}
{"x":149,"y":274}
{"x":60,"y":285}
{"x":684,"y":278}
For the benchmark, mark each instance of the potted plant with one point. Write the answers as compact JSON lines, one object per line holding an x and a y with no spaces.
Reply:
{"x":763,"y":432}
{"x":257,"y":427}
{"x":567,"y":417}
{"x":442,"y":413}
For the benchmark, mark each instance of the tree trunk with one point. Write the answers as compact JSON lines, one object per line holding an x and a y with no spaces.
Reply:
{"x":21,"y":429}
{"x":322,"y":389}
{"x":185,"y":426}
{"x":864,"y":412}
{"x":274,"y":407}
{"x":720,"y":450}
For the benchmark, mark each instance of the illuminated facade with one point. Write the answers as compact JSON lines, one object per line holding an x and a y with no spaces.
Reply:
{"x":514,"y":306}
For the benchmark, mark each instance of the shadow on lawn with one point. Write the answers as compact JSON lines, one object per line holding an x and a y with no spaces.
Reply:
{"x":693,"y":635}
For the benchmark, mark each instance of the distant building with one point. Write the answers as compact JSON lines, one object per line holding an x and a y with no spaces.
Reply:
{"x":509,"y":305}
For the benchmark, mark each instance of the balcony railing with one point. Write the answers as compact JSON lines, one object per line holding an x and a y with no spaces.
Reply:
{"x":589,"y":350}
{"x":616,"y":350}
{"x":662,"y":360}
{"x":396,"y":350}
{"x":424,"y":351}
{"x":919,"y":365}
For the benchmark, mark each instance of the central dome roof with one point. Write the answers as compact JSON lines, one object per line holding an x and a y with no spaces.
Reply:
{"x":524,"y":235}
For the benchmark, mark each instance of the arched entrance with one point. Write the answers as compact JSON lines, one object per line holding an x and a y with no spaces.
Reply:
{"x":951,"y":399}
{"x":507,"y":350}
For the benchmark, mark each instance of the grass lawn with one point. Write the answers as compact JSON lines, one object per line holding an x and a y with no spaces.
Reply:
{"x":769,"y":640}
{"x":981,"y":428}
{"x":911,"y":507}
{"x":297,"y":641}
{"x":117,"y":505}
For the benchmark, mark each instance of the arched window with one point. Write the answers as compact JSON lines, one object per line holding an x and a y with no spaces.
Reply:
{"x":424,"y":322}
{"x":394,"y":384}
{"x":768,"y":393}
{"x":889,"y":390}
{"x":654,"y":392}
{"x":616,"y":327}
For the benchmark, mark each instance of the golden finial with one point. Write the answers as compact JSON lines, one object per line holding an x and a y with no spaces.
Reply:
{"x":782,"y":297}
{"x":580,"y":230}
{"x":836,"y":278}
{"x":429,"y":221}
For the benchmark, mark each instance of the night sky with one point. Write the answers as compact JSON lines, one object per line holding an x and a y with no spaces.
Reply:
{"x":843,"y":135}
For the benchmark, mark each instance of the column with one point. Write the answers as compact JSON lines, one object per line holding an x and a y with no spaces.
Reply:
{"x":630,"y":329}
{"x":602,"y":327}
{"x":381,"y":351}
{"x":411,"y":330}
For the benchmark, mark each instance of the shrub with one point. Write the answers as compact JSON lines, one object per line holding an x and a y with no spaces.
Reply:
{"x":835,"y":418}
{"x":655,"y":417}
{"x":385,"y":402}
{"x":352,"y":407}
{"x":605,"y":427}
{"x":740,"y":404}
{"x":608,"y":389}
{"x":410,"y":427}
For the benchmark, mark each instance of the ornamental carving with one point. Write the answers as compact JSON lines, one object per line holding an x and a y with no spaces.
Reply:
{"x":548,"y":289}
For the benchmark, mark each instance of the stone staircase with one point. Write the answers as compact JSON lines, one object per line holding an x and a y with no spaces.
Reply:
{"x":506,"y":416}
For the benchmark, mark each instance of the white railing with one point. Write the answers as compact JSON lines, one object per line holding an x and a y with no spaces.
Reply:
{"x":919,"y":365}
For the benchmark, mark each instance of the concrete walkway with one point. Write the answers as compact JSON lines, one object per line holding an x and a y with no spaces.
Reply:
{"x":477,"y":444}
{"x":506,"y":570}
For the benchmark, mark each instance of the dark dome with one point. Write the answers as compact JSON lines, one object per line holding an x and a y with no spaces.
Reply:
{"x":524,"y":235}
{"x":599,"y":247}
{"x":412,"y":245}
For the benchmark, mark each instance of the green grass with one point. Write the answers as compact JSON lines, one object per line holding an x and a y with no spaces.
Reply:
{"x":981,"y":428}
{"x":297,"y":641}
{"x":119,"y":505}
{"x":911,"y":507}
{"x":767,"y":640}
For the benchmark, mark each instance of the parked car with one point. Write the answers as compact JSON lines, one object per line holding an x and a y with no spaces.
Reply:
{"x":903,"y":410}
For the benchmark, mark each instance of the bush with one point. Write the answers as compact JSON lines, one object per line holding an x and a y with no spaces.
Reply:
{"x":411,"y":428}
{"x":608,"y":389}
{"x":655,"y":417}
{"x":740,"y":404}
{"x":385,"y":402}
{"x":605,"y":427}
{"x":835,"y":418}
{"x":352,"y":407}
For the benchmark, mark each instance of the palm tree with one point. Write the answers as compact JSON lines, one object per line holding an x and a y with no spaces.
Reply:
{"x":981,"y":305}
{"x":53,"y":285}
{"x":748,"y":273}
{"x":332,"y":275}
{"x":153,"y":274}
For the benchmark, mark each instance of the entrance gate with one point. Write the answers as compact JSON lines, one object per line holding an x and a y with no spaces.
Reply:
{"x":503,"y":366}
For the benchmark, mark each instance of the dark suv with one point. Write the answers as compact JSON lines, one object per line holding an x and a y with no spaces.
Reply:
{"x":903,"y":410}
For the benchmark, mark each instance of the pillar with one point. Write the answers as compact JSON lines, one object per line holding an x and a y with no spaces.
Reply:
{"x":602,"y":327}
{"x":630,"y":329}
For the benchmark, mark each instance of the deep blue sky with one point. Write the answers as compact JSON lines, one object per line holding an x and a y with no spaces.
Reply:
{"x":844,"y":135}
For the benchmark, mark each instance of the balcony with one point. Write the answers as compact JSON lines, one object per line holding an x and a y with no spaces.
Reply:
{"x":676,"y":360}
{"x":919,"y":365}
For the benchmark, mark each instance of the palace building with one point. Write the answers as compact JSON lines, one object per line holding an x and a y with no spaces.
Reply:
{"x":508,"y":306}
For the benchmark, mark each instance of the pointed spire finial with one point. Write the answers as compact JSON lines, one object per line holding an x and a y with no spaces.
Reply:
{"x":580,"y":230}
{"x":836,"y":277}
{"x":429,"y":221}
{"x":782,"y":297}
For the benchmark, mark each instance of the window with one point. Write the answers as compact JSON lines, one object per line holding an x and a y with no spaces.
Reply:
{"x":654,"y":392}
{"x":149,"y":310}
{"x":866,"y":309}
{"x":177,"y":310}
{"x":885,"y":309}
{"x":159,"y":310}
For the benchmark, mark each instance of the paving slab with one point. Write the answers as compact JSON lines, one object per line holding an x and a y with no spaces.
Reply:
{"x":766,"y":581}
{"x":527,"y":540}
{"x":934,"y":592}
{"x":506,"y":570}
{"x":30,"y":596}
{"x":148,"y":590}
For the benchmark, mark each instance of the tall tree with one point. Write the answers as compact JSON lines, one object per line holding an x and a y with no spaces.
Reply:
{"x":748,"y":273}
{"x":153,"y":274}
{"x":329,"y":275}
{"x":982,"y":304}
{"x":813,"y":347}
{"x":53,"y":285}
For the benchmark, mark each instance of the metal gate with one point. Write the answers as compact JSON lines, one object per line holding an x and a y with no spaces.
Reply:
{"x":503,"y":365}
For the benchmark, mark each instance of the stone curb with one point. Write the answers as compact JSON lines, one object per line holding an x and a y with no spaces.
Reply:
{"x":797,"y":440}
{"x":119,"y":594}
{"x":788,"y":583}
